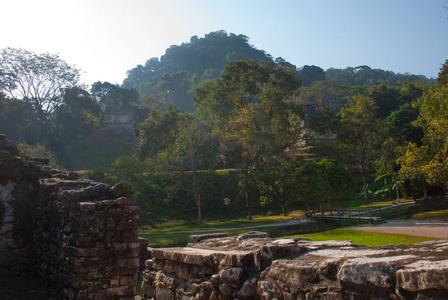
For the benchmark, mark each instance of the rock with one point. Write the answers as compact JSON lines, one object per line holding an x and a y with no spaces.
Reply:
{"x":424,"y":275}
{"x":259,"y":267}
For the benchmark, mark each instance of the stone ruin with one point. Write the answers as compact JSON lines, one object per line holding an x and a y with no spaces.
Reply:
{"x":80,"y":234}
{"x":254,"y":266}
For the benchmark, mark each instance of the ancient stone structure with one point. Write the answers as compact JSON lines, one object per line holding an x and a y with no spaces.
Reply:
{"x":116,"y":123}
{"x":80,"y":234}
{"x":254,"y":266}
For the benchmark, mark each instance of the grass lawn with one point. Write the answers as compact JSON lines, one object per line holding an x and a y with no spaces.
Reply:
{"x":167,"y":239}
{"x":429,"y":215}
{"x":366,"y":238}
{"x":362,"y":204}
{"x":178,"y":225}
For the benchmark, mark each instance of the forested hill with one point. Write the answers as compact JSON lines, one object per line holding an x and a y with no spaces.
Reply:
{"x":182,"y":68}
{"x":185,"y":67}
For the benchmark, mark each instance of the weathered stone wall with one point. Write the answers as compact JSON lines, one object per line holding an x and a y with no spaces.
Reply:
{"x":86,"y":240}
{"x":254,"y":266}
{"x":80,"y":234}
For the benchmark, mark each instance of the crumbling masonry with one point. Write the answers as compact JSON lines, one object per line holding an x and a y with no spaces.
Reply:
{"x":80,"y":234}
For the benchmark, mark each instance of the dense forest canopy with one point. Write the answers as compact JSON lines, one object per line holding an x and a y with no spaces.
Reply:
{"x":218,"y":103}
{"x":185,"y":67}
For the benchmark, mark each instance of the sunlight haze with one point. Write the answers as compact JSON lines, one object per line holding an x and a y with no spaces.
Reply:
{"x":106,"y":38}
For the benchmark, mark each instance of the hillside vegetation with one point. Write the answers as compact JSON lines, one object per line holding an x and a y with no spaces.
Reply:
{"x":221,"y":128}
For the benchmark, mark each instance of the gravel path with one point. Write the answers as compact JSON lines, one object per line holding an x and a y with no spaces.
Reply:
{"x":431,"y":229}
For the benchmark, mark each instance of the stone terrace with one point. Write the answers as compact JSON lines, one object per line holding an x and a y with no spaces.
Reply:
{"x":254,"y":266}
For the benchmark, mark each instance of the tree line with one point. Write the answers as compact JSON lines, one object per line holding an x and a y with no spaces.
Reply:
{"x":218,"y":103}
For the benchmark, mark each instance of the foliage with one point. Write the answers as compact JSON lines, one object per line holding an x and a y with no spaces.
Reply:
{"x":310,"y":74}
{"x":251,"y":114}
{"x":18,"y":121}
{"x":366,"y":76}
{"x":192,"y":150}
{"x":319,"y":181}
{"x":329,"y":94}
{"x":160,"y":130}
{"x":77,"y":117}
{"x":38,"y":79}
{"x":38,"y":151}
{"x":184,"y":67}
{"x":131,"y":169}
{"x":359,"y":138}
{"x":442,"y":79}
{"x":429,"y":161}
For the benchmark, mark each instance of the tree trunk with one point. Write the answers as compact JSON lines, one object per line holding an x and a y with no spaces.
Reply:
{"x":283,"y":207}
{"x":249,"y":215}
{"x":425,"y":193}
{"x":197,"y":197}
{"x":364,"y":187}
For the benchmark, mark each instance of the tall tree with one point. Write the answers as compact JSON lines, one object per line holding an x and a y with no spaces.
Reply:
{"x":251,"y":113}
{"x":160,"y":130}
{"x":429,"y":161}
{"x":39,"y":79}
{"x":358,"y":137}
{"x":193,"y":150}
{"x":78,"y":116}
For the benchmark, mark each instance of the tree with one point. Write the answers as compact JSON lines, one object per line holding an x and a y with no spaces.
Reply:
{"x":192,"y":151}
{"x":250,"y":111}
{"x":318,"y":181}
{"x":78,"y":116}
{"x":443,"y":74}
{"x":110,"y":94}
{"x":39,"y":79}
{"x":327,"y":93}
{"x":310,"y":74}
{"x":429,"y":161}
{"x":358,"y":136}
{"x":160,"y":130}
{"x":18,"y":121}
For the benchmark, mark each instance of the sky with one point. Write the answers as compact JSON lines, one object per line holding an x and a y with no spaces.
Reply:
{"x":106,"y":38}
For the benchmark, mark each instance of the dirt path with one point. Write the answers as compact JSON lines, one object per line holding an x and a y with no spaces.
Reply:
{"x":431,"y":229}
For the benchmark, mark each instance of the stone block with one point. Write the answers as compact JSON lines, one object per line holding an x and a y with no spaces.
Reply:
{"x":424,"y":275}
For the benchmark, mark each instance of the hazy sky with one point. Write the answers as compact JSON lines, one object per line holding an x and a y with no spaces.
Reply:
{"x":105,"y":38}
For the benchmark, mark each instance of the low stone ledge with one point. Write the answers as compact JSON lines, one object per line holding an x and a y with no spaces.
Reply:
{"x":265,"y":268}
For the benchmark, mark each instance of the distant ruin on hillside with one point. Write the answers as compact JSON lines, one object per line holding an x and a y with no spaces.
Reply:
{"x":116,"y":123}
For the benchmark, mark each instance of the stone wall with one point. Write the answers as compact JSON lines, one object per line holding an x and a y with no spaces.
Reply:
{"x":80,"y":234}
{"x":254,"y":266}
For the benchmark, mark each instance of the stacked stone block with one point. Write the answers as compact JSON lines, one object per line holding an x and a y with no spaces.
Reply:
{"x":80,"y":234}
{"x":87,"y":240}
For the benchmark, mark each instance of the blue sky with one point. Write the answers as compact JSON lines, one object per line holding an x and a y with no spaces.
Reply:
{"x":105,"y":38}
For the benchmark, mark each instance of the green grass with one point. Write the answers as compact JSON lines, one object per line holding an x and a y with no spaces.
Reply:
{"x":91,"y":153}
{"x":167,"y":239}
{"x":430,"y":215}
{"x":366,"y":238}
{"x":361,"y":204}
{"x":179,"y":225}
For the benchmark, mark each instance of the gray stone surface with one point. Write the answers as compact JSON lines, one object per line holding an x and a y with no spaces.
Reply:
{"x":259,"y":267}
